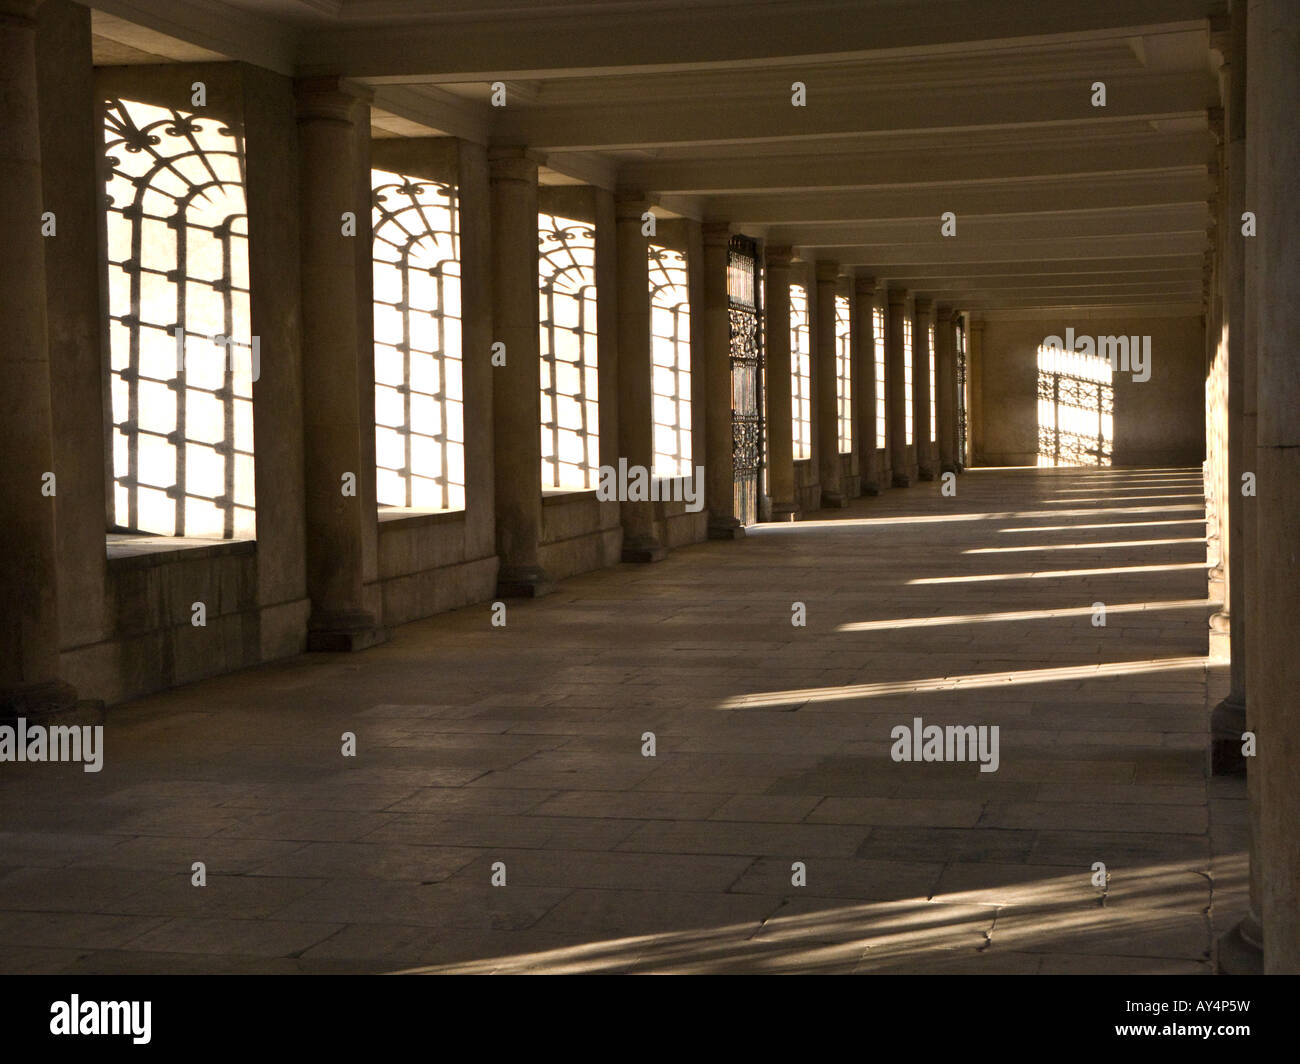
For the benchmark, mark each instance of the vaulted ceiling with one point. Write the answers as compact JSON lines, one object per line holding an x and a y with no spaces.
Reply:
{"x":913,"y":108}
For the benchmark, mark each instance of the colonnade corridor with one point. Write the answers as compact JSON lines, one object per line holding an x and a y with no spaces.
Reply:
{"x":517,"y":753}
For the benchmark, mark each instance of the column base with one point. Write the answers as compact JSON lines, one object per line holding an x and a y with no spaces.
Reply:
{"x":1241,"y":949}
{"x":643,"y":549}
{"x":784,"y":512}
{"x":1227,"y":722}
{"x":53,"y":702}
{"x":344,"y":632}
{"x":870,"y":488}
{"x":901,"y":480}
{"x":925,"y":474}
{"x":949,"y":467}
{"x":833,"y":500}
{"x":523,"y":581}
{"x":726,"y":528}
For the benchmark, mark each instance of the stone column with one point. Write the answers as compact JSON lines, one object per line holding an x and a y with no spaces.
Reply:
{"x":777,"y":409}
{"x":720,"y":474}
{"x":826,"y":430}
{"x":1228,"y":720}
{"x":945,"y":368}
{"x":516,"y":386}
{"x":975,"y":386}
{"x":635,"y":397}
{"x":30,"y":684}
{"x":922,"y":314}
{"x":902,"y":455}
{"x":1274,"y":703}
{"x":864,"y":383}
{"x":1240,"y":950}
{"x":333,"y":346}
{"x":71,"y":140}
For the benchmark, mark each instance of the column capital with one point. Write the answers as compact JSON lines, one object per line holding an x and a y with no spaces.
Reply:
{"x":944,"y":313}
{"x":630,"y":205}
{"x":897,"y":297}
{"x":513,"y":162}
{"x":329,"y":99}
{"x":864,"y":284}
{"x":924,"y":305}
{"x":716,"y":233}
{"x":778,"y":256}
{"x":22,"y":12}
{"x":976,"y":325}
{"x":827,"y":271}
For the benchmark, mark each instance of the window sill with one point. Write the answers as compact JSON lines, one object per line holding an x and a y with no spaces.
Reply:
{"x":130,"y":550}
{"x":391,"y":515}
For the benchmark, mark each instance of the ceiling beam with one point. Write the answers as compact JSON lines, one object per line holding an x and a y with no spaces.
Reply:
{"x":654,"y":123}
{"x":914,"y":162}
{"x":632,"y":40}
{"x":1091,"y":192}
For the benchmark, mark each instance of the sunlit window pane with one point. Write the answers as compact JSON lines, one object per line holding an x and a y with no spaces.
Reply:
{"x":800,"y":372}
{"x":418,"y":395}
{"x":843,"y":375}
{"x":670,"y":338}
{"x":1076,"y":405}
{"x":181,"y":355}
{"x":567,"y":318}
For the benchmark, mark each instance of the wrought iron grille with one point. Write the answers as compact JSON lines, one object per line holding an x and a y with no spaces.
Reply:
{"x":182,"y":359}
{"x":419,"y":402}
{"x":567,"y":318}
{"x":1076,"y":407}
{"x":844,"y":374}
{"x":746,"y":369}
{"x":670,"y":337}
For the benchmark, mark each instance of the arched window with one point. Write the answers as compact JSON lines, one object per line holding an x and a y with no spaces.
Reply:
{"x":843,"y":374}
{"x":182,"y":358}
{"x":419,"y":403}
{"x":907,"y":375}
{"x":878,"y":336}
{"x":567,"y":316}
{"x":800,"y":372}
{"x":670,"y":337}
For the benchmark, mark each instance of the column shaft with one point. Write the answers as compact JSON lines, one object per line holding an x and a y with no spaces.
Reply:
{"x":777,"y":409}
{"x":635,"y":397}
{"x":864,"y":384}
{"x":718,"y":463}
{"x":516,"y":386}
{"x":826,"y":430}
{"x":945,"y":367}
{"x":1276,"y":707}
{"x":29,"y":622}
{"x":333,"y":346}
{"x":901,"y":450}
{"x":922,"y":315}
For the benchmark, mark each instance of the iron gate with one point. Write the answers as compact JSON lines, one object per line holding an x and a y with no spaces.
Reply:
{"x":744,"y":301}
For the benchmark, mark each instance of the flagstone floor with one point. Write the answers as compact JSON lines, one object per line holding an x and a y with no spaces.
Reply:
{"x":518,"y":751}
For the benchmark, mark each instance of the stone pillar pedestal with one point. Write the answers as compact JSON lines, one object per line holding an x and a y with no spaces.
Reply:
{"x":333,"y":346}
{"x":864,"y":384}
{"x":30,"y":683}
{"x":719,"y":466}
{"x":516,"y":386}
{"x":635,"y":398}
{"x":902,"y":453}
{"x":777,"y":399}
{"x":824,"y":360}
{"x":922,"y":312}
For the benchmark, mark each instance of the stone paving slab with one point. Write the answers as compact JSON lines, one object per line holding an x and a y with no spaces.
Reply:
{"x":521,"y":747}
